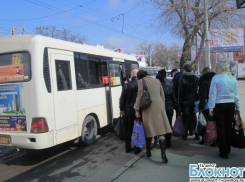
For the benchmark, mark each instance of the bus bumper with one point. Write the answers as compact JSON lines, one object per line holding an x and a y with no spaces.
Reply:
{"x":30,"y":140}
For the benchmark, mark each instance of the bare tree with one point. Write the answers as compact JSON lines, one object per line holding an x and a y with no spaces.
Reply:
{"x":146,"y":49}
{"x":161,"y":55}
{"x":64,"y":34}
{"x":185,"y":18}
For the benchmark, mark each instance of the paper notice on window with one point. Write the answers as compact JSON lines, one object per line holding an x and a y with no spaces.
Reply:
{"x":12,"y":73}
{"x":16,"y":58}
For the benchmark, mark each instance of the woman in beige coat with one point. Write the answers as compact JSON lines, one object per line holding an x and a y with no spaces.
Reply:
{"x":155,"y":121}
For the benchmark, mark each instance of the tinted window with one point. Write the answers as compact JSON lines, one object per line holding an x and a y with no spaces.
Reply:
{"x":63,"y":75}
{"x":129,"y":65}
{"x":81,"y":70}
{"x":94,"y":72}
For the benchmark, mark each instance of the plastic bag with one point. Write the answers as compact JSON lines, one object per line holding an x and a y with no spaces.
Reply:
{"x":178,"y":128}
{"x":201,"y":124}
{"x":138,"y":134}
{"x":119,"y":127}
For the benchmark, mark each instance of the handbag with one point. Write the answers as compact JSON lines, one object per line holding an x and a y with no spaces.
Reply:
{"x":211,"y":132}
{"x":119,"y":127}
{"x":145,"y":101}
{"x":239,"y":122}
{"x":237,"y":138}
{"x":178,"y":128}
{"x":138,"y":134}
{"x":201,"y":124}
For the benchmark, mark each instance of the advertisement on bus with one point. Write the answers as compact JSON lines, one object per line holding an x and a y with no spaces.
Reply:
{"x":13,"y":72}
{"x":12,"y":108}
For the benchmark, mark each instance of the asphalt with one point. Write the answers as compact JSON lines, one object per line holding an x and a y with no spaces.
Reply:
{"x":180,"y":155}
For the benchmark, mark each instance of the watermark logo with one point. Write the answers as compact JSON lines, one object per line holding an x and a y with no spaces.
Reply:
{"x":202,"y":172}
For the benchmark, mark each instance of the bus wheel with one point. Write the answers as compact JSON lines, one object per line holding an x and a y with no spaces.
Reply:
{"x":89,"y":130}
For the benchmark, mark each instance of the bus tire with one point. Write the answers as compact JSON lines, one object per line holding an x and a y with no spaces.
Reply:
{"x":89,"y":131}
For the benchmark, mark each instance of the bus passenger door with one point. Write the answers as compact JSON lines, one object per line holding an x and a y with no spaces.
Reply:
{"x":64,"y":88}
{"x":115,"y":87}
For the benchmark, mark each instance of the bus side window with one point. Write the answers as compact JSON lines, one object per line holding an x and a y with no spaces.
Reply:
{"x":104,"y":73}
{"x":94,"y":73}
{"x":81,"y":70}
{"x":63,"y":75}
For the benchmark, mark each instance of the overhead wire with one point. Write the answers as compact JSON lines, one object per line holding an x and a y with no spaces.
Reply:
{"x":117,"y":17}
{"x":81,"y":18}
{"x":39,"y":3}
{"x":48,"y":16}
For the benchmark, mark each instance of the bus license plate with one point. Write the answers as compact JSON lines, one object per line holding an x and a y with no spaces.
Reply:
{"x":4,"y":140}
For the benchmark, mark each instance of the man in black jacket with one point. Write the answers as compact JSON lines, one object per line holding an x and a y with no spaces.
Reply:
{"x":176,"y":76}
{"x":187,"y":91}
{"x":126,"y":104}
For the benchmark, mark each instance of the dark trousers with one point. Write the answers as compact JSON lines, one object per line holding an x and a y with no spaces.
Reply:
{"x":129,"y":124}
{"x":224,"y":115}
{"x":170,"y":113}
{"x":189,"y":117}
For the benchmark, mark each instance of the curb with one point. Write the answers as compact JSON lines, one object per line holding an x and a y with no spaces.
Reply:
{"x":120,"y":171}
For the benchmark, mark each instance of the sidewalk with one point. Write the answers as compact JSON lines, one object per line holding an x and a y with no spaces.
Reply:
{"x":180,"y":155}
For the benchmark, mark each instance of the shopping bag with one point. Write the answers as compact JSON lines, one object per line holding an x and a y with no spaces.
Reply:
{"x":239,"y":122}
{"x":119,"y":127}
{"x":178,"y":128}
{"x":238,"y":138}
{"x":201,"y":124}
{"x":138,"y":134}
{"x":211,"y":131}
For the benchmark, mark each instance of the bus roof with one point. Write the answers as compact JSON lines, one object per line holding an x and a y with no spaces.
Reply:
{"x":12,"y":43}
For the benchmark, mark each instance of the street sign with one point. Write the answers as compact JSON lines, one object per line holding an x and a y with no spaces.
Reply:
{"x":240,"y":4}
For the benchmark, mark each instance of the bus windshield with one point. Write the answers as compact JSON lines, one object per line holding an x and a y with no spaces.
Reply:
{"x":15,"y":67}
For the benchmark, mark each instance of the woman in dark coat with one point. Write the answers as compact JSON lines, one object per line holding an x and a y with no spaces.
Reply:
{"x":170,"y":101}
{"x":204,"y":85}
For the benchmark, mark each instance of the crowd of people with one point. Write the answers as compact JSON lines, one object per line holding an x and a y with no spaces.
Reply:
{"x":217,"y":94}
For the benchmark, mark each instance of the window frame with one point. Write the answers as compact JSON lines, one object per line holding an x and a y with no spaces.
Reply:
{"x":100,"y":60}
{"x":70,"y":76}
{"x":30,"y":67}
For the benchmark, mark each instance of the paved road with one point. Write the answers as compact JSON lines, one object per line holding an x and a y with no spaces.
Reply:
{"x":97,"y":162}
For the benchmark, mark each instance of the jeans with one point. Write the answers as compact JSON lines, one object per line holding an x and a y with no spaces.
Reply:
{"x":189,"y":117}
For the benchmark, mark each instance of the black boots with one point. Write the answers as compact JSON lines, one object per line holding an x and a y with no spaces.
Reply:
{"x":148,"y":147}
{"x":163,"y":148}
{"x":168,"y":140}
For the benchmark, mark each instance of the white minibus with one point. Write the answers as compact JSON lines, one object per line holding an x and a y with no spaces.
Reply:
{"x":54,"y":91}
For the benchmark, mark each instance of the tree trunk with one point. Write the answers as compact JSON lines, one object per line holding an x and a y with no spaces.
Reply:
{"x":186,"y":52}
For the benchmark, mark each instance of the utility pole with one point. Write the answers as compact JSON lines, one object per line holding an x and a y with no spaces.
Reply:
{"x":207,"y":46}
{"x":150,"y":54}
{"x":12,"y":30}
{"x":198,"y":66}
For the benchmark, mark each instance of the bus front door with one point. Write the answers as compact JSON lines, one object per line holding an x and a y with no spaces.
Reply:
{"x":115,"y":87}
{"x":64,"y":88}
